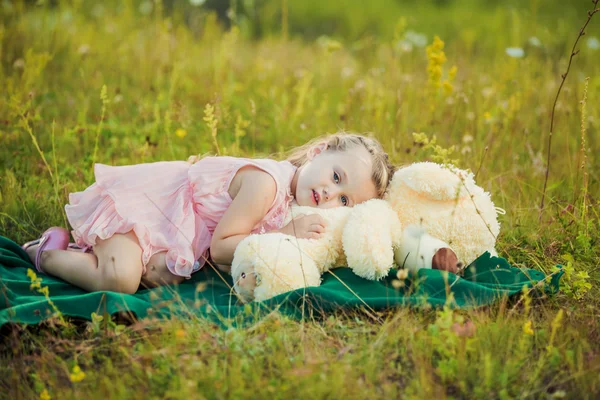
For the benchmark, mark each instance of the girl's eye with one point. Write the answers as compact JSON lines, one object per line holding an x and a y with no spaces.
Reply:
{"x":336,"y":177}
{"x":344,"y":201}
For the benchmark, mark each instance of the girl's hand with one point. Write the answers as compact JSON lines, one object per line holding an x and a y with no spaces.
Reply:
{"x":192,"y":159}
{"x":310,"y":226}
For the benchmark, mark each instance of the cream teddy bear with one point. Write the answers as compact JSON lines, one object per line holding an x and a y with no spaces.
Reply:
{"x":428,"y":207}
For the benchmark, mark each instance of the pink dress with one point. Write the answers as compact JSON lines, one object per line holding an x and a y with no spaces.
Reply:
{"x":170,"y":206}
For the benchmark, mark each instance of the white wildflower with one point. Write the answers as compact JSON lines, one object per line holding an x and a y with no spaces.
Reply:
{"x":515,"y":52}
{"x":84,"y":49}
{"x":593,"y":43}
{"x":415,"y":38}
{"x":534,"y":41}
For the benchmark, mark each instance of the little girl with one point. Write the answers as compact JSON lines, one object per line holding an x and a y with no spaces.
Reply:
{"x":157,"y":223}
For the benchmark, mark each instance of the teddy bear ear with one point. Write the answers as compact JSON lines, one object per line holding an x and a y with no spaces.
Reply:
{"x":369,"y":237}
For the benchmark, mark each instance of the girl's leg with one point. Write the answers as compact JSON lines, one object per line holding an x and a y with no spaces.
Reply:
{"x":116,"y":265}
{"x":157,"y":273}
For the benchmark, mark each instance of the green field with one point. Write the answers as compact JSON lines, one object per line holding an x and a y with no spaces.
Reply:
{"x":124,"y":82}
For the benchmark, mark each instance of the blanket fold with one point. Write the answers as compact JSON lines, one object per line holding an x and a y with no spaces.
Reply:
{"x":209,"y":295}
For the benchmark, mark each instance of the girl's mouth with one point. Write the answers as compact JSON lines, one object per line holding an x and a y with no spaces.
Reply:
{"x":316,"y":197}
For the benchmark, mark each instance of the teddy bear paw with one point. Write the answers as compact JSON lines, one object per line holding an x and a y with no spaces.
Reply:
{"x":445,"y":259}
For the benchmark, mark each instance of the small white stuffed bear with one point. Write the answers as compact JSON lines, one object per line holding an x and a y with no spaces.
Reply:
{"x":269,"y":264}
{"x":428,"y":207}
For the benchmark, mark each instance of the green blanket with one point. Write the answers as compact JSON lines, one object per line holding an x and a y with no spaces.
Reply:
{"x":208,"y":293}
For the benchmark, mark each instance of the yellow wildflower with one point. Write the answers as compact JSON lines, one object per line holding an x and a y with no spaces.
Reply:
{"x":333,"y":45}
{"x":487,"y":115}
{"x":436,"y":46}
{"x":181,"y":133}
{"x":435,"y":74}
{"x":45,"y":395}
{"x":435,"y":66}
{"x":180,"y":333}
{"x":447,"y":86}
{"x":452,"y":73}
{"x":438,"y":58}
{"x":77,"y":375}
{"x":36,"y":283}
{"x":527,"y":329}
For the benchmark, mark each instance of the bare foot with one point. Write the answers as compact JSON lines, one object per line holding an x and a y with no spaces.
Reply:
{"x":446,"y":260}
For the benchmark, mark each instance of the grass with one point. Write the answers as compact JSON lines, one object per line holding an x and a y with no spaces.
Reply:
{"x":161,"y":65}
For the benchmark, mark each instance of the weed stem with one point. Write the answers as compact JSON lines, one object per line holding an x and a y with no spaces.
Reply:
{"x":564,"y":77}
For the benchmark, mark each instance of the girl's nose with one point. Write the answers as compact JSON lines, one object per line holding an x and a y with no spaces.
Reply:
{"x":330,"y":194}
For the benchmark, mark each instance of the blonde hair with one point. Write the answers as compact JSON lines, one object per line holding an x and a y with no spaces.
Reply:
{"x":383,"y":170}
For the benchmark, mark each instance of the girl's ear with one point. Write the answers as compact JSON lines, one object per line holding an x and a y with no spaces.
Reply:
{"x":316,"y":149}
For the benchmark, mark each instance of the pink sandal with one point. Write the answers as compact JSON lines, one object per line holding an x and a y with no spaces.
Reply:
{"x":55,"y":238}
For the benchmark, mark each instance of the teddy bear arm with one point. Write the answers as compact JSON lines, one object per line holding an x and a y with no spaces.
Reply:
{"x":370,"y":235}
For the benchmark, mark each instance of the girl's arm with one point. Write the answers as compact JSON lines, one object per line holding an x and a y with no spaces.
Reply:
{"x":253,"y":192}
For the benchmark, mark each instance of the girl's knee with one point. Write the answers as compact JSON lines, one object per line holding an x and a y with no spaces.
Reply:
{"x":119,"y":284}
{"x":115,"y":278}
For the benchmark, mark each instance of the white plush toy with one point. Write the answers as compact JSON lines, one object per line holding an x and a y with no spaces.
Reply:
{"x":428,"y":207}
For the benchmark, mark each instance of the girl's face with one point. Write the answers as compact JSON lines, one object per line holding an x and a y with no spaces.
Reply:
{"x":333,"y":178}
